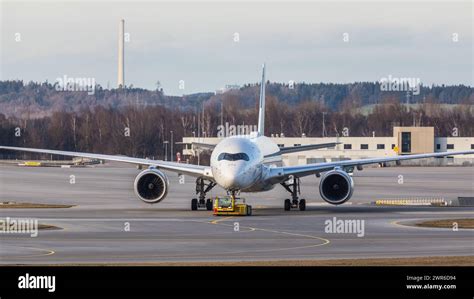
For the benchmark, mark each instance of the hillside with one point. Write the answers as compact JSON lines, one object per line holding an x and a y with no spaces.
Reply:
{"x":37,"y":100}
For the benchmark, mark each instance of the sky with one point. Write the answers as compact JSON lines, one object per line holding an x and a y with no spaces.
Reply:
{"x":208,"y":45}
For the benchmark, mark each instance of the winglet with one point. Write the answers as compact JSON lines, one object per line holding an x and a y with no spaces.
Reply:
{"x":261,"y":109}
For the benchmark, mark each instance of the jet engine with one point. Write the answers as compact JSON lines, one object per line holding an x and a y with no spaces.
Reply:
{"x":336,"y":187}
{"x":151,"y":185}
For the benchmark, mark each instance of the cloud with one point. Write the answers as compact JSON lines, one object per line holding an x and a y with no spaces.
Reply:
{"x":301,"y":41}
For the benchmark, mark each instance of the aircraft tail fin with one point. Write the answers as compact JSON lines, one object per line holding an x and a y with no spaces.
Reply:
{"x":261,"y":108}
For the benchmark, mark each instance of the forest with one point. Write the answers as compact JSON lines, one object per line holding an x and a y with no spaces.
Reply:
{"x":37,"y":100}
{"x":139,"y":129}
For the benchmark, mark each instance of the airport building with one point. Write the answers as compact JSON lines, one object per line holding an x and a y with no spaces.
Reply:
{"x":405,"y":141}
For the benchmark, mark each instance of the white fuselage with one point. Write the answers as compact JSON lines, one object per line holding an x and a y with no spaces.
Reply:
{"x":238,"y":164}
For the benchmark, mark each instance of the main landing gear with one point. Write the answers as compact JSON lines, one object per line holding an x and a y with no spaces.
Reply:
{"x":202,"y":187}
{"x":293,"y":186}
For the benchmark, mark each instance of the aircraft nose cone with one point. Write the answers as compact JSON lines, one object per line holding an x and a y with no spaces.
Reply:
{"x":231,"y":181}
{"x":233,"y":178}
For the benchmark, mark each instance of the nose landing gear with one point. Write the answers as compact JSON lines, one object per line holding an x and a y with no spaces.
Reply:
{"x":202,"y":187}
{"x":292,"y":185}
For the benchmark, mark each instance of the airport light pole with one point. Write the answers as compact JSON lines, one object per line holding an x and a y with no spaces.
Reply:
{"x":166,"y":149}
{"x":324,"y":124}
{"x":171,"y":145}
{"x":199,"y":156}
{"x":222,"y":112}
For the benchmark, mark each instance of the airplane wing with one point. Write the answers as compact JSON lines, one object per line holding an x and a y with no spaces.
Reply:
{"x":302,"y":148}
{"x":206,"y":146}
{"x":304,"y":170}
{"x":189,"y":169}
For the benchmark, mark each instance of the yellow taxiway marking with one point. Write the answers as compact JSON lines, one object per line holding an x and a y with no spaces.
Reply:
{"x":227,"y":218}
{"x":395,"y":223}
{"x":239,"y":252}
{"x":226,"y":254}
{"x":48,"y":252}
{"x":325,"y":241}
{"x":222,"y":219}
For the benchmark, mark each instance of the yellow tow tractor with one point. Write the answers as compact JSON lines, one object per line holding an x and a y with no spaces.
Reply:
{"x":231,"y":206}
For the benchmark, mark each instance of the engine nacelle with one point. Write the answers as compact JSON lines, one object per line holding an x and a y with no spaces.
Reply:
{"x":336,"y":187}
{"x":151,"y":185}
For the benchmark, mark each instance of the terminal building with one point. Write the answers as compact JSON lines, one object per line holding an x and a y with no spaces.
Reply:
{"x":405,"y":141}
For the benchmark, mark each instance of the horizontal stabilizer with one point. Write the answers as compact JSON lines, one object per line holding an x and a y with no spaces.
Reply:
{"x":206,"y":146}
{"x":302,"y":148}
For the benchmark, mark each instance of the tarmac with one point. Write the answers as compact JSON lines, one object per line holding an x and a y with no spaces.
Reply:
{"x":108,"y":224}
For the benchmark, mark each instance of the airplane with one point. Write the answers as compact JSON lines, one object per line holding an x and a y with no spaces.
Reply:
{"x":247,"y":163}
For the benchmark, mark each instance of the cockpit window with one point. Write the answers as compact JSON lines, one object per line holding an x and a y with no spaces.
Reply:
{"x":233,"y":157}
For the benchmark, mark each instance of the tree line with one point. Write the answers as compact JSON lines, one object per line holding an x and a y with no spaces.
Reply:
{"x":37,"y":100}
{"x":140,"y":130}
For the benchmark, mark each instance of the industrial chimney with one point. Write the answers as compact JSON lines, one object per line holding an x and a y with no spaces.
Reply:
{"x":121,"y":74}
